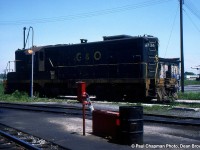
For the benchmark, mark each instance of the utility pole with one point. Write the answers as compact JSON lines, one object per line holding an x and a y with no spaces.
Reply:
{"x":181,"y":46}
{"x":32,"y":53}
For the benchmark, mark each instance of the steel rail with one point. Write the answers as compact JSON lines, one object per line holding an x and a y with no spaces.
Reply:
{"x":43,"y":108}
{"x":19,"y":141}
{"x":165,"y":119}
{"x":186,"y":121}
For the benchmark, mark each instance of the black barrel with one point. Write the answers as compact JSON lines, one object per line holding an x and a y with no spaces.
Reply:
{"x":131,"y":124}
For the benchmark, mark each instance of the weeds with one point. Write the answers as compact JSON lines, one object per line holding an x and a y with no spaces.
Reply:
{"x":14,"y":97}
{"x":18,"y":96}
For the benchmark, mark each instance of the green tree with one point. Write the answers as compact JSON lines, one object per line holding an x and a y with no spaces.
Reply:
{"x":1,"y":76}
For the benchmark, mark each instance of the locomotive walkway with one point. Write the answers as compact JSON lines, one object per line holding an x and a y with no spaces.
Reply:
{"x":66,"y":130}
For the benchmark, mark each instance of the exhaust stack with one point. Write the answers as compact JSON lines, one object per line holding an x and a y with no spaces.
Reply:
{"x":24,"y":37}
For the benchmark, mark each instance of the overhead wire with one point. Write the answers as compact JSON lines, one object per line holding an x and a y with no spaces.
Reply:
{"x":87,"y":14}
{"x":171,"y":31}
{"x":190,"y":6}
{"x":192,"y":21}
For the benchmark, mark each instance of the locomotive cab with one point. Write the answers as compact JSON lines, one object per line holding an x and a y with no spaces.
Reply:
{"x":168,"y":83}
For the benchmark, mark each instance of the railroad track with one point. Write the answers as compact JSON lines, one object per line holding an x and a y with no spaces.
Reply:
{"x":77,"y":110}
{"x":67,"y":109}
{"x":172,"y":120}
{"x":6,"y":143}
{"x":11,"y":138}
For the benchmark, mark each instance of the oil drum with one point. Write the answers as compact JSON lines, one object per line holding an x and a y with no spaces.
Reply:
{"x":131,"y":124}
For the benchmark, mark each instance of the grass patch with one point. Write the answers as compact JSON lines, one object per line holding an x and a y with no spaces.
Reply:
{"x":14,"y":97}
{"x":189,"y":95}
{"x":156,"y":109}
{"x":24,"y":97}
{"x":191,"y":82}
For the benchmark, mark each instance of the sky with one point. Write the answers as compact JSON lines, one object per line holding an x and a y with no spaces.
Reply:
{"x":68,"y":21}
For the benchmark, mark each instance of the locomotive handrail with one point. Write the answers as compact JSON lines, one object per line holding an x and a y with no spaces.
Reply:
{"x":51,"y":63}
{"x":7,"y":70}
{"x":144,"y":63}
{"x":156,"y":60}
{"x":8,"y":67}
{"x":95,"y":65}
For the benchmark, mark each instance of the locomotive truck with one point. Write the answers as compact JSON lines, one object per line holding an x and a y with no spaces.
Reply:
{"x":118,"y":67}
